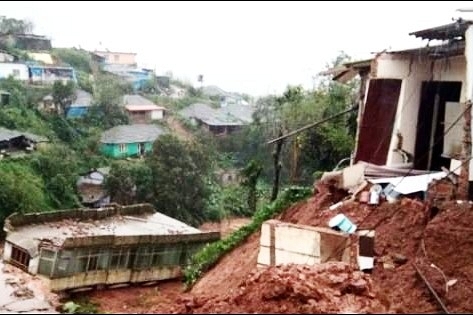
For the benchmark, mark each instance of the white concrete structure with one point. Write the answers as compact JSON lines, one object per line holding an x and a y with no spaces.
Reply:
{"x":412,"y":101}
{"x":17,"y":70}
{"x":286,"y":243}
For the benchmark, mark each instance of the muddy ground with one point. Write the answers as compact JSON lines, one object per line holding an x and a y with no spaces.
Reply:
{"x":407,"y":233}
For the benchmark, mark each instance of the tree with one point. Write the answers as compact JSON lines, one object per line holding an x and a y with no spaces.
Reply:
{"x":129,"y":182}
{"x":21,"y":191}
{"x":63,"y":95}
{"x":58,"y":165}
{"x":179,"y":171}
{"x":11,"y":26}
{"x":107,"y":112}
{"x":251,"y":174}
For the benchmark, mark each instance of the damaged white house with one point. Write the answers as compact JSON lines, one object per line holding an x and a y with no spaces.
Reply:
{"x":412,"y":102}
{"x":84,"y":248}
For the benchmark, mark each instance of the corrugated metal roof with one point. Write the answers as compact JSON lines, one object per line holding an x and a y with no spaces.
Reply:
{"x":135,"y":99}
{"x":139,"y":108}
{"x":7,"y":135}
{"x":131,"y":134}
{"x":230,"y":115}
{"x":83,"y":98}
{"x":454,"y":48}
{"x":444,"y":32}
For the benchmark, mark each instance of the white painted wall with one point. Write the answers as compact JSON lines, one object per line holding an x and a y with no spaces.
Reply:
{"x":157,"y":114}
{"x":17,"y":70}
{"x":413,"y":71}
{"x":297,"y":244}
{"x":34,"y":264}
{"x":7,"y":251}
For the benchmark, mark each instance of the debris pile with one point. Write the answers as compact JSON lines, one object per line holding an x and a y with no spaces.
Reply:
{"x":328,"y":288}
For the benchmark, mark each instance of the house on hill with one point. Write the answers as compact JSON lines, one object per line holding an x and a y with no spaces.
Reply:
{"x":219,"y":121}
{"x":412,"y":101}
{"x":129,"y":140}
{"x":141,"y":110}
{"x":14,"y":141}
{"x":81,"y":104}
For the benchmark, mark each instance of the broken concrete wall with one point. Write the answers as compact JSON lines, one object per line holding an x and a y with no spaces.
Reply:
{"x":413,"y":70}
{"x":7,"y":251}
{"x":17,"y":219}
{"x":285,"y":243}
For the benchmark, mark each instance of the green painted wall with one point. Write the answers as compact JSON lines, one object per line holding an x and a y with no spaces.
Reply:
{"x":131,"y":149}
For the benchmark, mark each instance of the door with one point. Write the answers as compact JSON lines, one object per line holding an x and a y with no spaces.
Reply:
{"x":378,"y":120}
{"x":430,"y":124}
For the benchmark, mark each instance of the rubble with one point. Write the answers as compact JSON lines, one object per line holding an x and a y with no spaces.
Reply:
{"x":328,"y":288}
{"x":407,"y":234}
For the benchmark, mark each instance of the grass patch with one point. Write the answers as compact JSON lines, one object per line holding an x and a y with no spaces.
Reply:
{"x":208,"y":256}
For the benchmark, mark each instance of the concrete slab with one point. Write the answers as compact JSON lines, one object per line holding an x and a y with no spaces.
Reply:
{"x":29,"y":305}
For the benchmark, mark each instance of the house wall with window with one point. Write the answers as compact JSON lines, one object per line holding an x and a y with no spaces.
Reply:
{"x":122,"y":150}
{"x":17,"y":70}
{"x":106,"y":246}
{"x":120,"y":58}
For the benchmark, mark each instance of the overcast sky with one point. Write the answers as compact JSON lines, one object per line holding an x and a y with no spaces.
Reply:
{"x":252,"y":47}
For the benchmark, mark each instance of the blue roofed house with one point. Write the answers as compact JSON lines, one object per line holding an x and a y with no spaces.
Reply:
{"x":80,"y":106}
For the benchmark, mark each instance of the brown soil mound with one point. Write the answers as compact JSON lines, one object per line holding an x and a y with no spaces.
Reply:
{"x":328,"y":288}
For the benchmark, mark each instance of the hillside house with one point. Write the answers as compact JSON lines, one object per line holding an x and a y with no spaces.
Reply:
{"x":137,"y":77}
{"x":13,"y":142}
{"x":412,"y":101}
{"x":47,"y":74}
{"x":91,"y":188}
{"x":18,"y":71}
{"x":85,"y":248}
{"x":6,"y":57}
{"x":81,"y":104}
{"x":141,"y":110}
{"x":129,"y":140}
{"x":218,"y":121}
{"x":29,"y":42}
{"x":118,"y":58}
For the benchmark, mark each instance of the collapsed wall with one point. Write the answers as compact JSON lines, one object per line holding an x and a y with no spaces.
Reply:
{"x":407,"y":233}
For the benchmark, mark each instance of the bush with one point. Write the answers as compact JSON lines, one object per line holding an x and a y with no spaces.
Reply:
{"x":211,"y":253}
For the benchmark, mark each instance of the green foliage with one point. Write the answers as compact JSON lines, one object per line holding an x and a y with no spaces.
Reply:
{"x":226,"y":202}
{"x":63,"y":94}
{"x":251,"y":174}
{"x":84,"y":82}
{"x":107,"y":112}
{"x":23,"y":95}
{"x":179,"y":172}
{"x":316,"y":149}
{"x":211,"y":253}
{"x":22,"y":191}
{"x":129,"y":182}
{"x":59,"y":167}
{"x":80,"y":306}
{"x":14,"y":26}
{"x":79,"y":59}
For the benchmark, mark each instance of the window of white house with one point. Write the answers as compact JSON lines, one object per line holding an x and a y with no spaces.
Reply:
{"x":16,"y":72}
{"x":122,"y":148}
{"x":20,"y":258}
{"x":116,"y":58}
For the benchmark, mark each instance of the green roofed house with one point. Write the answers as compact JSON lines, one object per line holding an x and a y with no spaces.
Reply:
{"x":129,"y":140}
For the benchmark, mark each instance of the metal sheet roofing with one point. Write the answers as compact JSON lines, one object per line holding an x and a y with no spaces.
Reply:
{"x":444,"y":32}
{"x":230,"y":115}
{"x":139,"y":108}
{"x":7,"y":135}
{"x":132,"y":134}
